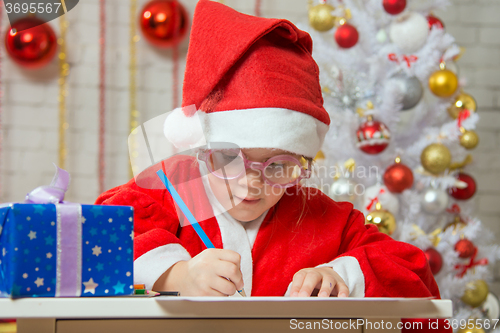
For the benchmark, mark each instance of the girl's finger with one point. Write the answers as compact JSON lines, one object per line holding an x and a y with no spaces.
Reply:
{"x":230,"y":271}
{"x":311,"y":281}
{"x":327,"y":286}
{"x":223,"y":286}
{"x":297,"y":281}
{"x":343,"y":289}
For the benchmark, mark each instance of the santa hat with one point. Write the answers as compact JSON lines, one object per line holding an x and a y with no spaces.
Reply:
{"x":252,"y":81}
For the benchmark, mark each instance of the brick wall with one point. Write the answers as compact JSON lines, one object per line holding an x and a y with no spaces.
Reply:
{"x":30,"y":113}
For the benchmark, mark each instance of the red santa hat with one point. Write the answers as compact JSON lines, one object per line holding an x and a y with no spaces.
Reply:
{"x":252,"y":81}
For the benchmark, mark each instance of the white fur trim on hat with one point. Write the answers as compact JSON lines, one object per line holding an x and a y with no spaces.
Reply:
{"x":279,"y":128}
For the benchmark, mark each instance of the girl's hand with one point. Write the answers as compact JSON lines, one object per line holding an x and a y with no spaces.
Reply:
{"x":324,"y":279}
{"x":213,"y":272}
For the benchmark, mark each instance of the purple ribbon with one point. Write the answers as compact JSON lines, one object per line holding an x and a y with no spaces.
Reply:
{"x":69,"y":233}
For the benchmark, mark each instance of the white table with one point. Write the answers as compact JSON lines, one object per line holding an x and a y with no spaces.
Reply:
{"x":199,"y":314}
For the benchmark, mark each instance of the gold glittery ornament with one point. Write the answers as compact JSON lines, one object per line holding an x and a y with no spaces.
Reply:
{"x":321,"y":18}
{"x":476,"y":329}
{"x":383,"y":219}
{"x":443,"y":83}
{"x":462,"y":102}
{"x":469,"y":139}
{"x":475,"y":293}
{"x":436,"y":158}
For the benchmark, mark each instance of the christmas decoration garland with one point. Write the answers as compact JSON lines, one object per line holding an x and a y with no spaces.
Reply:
{"x":63,"y":73}
{"x":102,"y":95}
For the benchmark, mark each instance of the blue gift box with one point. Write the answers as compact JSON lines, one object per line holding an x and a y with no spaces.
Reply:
{"x":40,"y":256}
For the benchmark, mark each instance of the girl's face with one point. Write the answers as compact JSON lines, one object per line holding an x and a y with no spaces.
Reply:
{"x":246,"y":198}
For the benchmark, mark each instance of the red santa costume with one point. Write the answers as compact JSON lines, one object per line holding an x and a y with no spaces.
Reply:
{"x":271,"y":99}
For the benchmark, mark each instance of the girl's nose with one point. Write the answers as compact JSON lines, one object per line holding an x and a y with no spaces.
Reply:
{"x":253,"y":179}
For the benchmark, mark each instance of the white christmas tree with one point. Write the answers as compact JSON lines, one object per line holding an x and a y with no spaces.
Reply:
{"x":402,"y":130}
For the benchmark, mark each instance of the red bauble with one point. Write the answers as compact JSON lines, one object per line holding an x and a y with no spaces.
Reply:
{"x":394,"y":7}
{"x":164,"y":23}
{"x":373,"y":137}
{"x":31,"y":47}
{"x":434,"y":21}
{"x":435,"y":260}
{"x":398,"y":177}
{"x":346,"y":36}
{"x":465,"y":248}
{"x":464,"y":193}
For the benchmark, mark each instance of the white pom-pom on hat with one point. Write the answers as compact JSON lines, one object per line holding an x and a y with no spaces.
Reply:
{"x":183,"y":127}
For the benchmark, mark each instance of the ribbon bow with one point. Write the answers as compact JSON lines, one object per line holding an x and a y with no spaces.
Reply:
{"x":471,"y":264}
{"x":433,"y":236}
{"x":54,"y":193}
{"x":374,"y":200}
{"x":69,"y":233}
{"x":405,"y":58}
{"x":455,"y":209}
{"x":464,"y":114}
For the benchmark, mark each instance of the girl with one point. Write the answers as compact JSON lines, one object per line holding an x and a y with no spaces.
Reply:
{"x":256,"y":86}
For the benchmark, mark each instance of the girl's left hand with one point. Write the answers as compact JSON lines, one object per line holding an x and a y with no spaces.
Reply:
{"x":324,"y":279}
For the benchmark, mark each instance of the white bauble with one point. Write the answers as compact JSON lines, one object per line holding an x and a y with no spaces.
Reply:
{"x":434,"y":200}
{"x":388,"y":200}
{"x":409,"y":32}
{"x":343,"y":189}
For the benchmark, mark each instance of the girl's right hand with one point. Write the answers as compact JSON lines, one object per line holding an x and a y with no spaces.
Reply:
{"x":213,"y":272}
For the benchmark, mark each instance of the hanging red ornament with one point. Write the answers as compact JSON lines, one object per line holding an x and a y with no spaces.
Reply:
{"x":398,"y":177}
{"x":467,"y":191}
{"x":465,"y":248}
{"x":435,"y":22}
{"x":435,"y":260}
{"x":373,"y":136}
{"x":164,"y":23}
{"x":394,"y":7}
{"x":31,"y":47}
{"x":346,"y":36}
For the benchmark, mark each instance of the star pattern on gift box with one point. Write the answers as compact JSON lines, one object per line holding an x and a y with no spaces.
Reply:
{"x":49,"y":240}
{"x":39,"y":209}
{"x":99,"y":267}
{"x":48,"y":255}
{"x":113,"y":238}
{"x":93,"y":231}
{"x":39,"y":282}
{"x":119,"y":212}
{"x":32,"y":235}
{"x":97,"y":211}
{"x":90,"y":286}
{"x":96,"y":250}
{"x":119,"y":288}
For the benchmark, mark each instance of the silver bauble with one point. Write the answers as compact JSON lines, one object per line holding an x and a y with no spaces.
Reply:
{"x":343,"y":189}
{"x":412,"y":90}
{"x":434,"y":200}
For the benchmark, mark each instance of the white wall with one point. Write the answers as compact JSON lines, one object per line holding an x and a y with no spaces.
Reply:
{"x":30,"y":107}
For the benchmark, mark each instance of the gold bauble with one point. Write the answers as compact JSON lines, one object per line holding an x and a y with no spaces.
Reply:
{"x":475,"y":293}
{"x":436,"y":158}
{"x":384,"y":220}
{"x":321,"y":18}
{"x":471,"y":330}
{"x":469,"y":140}
{"x":462,"y":102}
{"x":443,"y":83}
